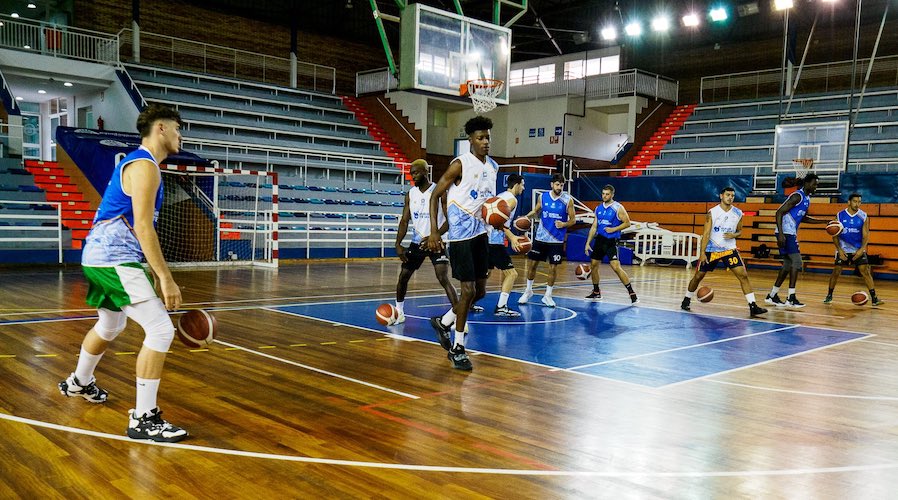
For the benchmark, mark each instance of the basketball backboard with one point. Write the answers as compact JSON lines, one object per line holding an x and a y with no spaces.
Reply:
{"x":823,"y":142}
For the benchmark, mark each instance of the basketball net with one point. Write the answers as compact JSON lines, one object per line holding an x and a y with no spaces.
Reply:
{"x":802,"y":166}
{"x":483,"y":93}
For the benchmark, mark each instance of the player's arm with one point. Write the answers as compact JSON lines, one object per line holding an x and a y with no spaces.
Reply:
{"x":865,"y":238}
{"x":780,"y":212}
{"x":445,"y":226}
{"x":571,"y":217}
{"x":403,"y":229}
{"x":537,"y":208}
{"x":143,"y":178}
{"x":841,"y":253}
{"x":815,"y":220}
{"x":624,"y":221}
{"x":435,"y":243}
{"x":706,"y":237}
{"x":735,"y":234}
{"x":592,"y":233}
{"x":512,"y":238}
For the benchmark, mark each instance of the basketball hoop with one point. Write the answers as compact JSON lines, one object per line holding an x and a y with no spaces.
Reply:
{"x":483,"y":93}
{"x":802,"y":166}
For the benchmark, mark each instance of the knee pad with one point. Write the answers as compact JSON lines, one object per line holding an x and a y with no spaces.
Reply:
{"x":159,"y":333}
{"x":110,"y":324}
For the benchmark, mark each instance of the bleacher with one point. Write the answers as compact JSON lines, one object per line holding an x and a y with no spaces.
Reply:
{"x":26,"y":220}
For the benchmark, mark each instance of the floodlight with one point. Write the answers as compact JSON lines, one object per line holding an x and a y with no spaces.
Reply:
{"x":660,"y":23}
{"x":609,"y":33}
{"x":718,"y":14}
{"x":782,"y":4}
{"x":690,"y":20}
{"x":633,"y":29}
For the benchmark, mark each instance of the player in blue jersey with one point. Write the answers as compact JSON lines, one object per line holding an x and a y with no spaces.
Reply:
{"x":789,"y":216}
{"x":417,"y":212}
{"x":499,"y":258}
{"x":851,"y":247}
{"x":611,"y":219}
{"x":122,"y":235}
{"x":556,"y":211}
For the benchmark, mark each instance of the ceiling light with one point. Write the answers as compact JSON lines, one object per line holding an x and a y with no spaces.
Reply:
{"x":68,"y":84}
{"x":20,"y":98}
{"x":32,"y":6}
{"x":660,"y":23}
{"x":690,"y":20}
{"x":718,"y":14}
{"x":633,"y":29}
{"x":748,"y":9}
{"x":824,"y":1}
{"x":782,"y":4}
{"x":609,"y":33}
{"x":26,"y":46}
{"x":14,"y":15}
{"x":41,"y":91}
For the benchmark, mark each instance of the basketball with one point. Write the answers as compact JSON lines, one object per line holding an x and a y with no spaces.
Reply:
{"x":495,"y":212}
{"x":523,"y":224}
{"x":196,"y":328}
{"x":386,"y":314}
{"x":525,"y":244}
{"x":834,"y":227}
{"x":582,"y":271}
{"x":859,"y":298}
{"x":704,"y":294}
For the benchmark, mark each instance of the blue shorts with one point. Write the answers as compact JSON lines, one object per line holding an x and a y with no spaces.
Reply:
{"x":791,"y":246}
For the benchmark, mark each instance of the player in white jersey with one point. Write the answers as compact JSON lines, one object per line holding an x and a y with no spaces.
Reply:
{"x":417,"y":211}
{"x":499,"y":258}
{"x":123,"y":233}
{"x":851,"y":247}
{"x":467,"y":183}
{"x":723,"y":224}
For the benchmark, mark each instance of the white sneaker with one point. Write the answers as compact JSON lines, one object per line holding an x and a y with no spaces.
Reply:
{"x":400,"y":318}
{"x":547,"y":300}
{"x":526,"y":296}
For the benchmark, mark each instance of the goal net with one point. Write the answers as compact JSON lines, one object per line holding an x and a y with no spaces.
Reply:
{"x":218,"y":216}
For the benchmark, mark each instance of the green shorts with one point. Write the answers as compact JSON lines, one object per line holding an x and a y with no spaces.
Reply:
{"x":116,"y":286}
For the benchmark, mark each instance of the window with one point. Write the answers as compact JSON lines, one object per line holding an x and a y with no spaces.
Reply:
{"x":547,"y":73}
{"x":573,"y":70}
{"x":515,"y":77}
{"x":593,"y":67}
{"x":611,"y":64}
{"x":531,"y":76}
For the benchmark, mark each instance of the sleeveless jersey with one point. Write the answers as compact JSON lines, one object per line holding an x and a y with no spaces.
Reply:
{"x":478,"y":182}
{"x":419,"y":206}
{"x":111,"y":240}
{"x":723,"y":222}
{"x":853,"y":235}
{"x":552,"y":209}
{"x":796,"y":214}
{"x":607,"y":217}
{"x":496,"y":236}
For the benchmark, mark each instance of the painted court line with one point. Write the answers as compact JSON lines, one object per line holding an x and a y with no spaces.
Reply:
{"x":807,"y":393}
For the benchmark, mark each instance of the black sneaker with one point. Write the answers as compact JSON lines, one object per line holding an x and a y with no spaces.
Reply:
{"x":460,"y":359}
{"x":596,"y":294}
{"x":73,"y":387}
{"x":685,"y":304}
{"x":152,"y":427}
{"x":793,"y":302}
{"x":476,"y":309}
{"x":506,"y":312}
{"x":828,"y":299}
{"x":444,"y":335}
{"x":755,"y":310}
{"x":878,"y":302}
{"x":634,"y":299}
{"x":774,"y":300}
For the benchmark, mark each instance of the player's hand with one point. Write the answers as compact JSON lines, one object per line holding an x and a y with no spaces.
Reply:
{"x":560,"y":225}
{"x":729,"y":236}
{"x":171,"y":294}
{"x":842,"y":255}
{"x":400,"y":252}
{"x":435,"y":243}
{"x":702,"y":258}
{"x":588,"y":249}
{"x":781,"y":240}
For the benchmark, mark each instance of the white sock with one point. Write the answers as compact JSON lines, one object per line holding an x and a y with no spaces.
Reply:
{"x":791,"y":292}
{"x":529,"y":285}
{"x":775,"y":290}
{"x":690,"y":295}
{"x":87,"y":362}
{"x":400,"y":305}
{"x":750,"y":297}
{"x":503,"y":299}
{"x":459,"y":336}
{"x":146,"y":395}
{"x":549,"y":290}
{"x":448,"y":318}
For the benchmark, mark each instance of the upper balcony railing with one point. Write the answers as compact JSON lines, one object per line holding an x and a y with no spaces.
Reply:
{"x":629,"y":82}
{"x":58,"y":41}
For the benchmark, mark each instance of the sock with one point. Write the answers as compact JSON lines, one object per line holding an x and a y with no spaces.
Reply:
{"x":750,"y":297}
{"x":791,"y":292}
{"x":830,"y":291}
{"x":87,"y":362}
{"x":775,"y":290}
{"x":448,"y":318}
{"x":529,"y":285}
{"x":549,"y":290}
{"x":630,"y":288}
{"x":690,"y":295}
{"x":146,"y":395}
{"x":503,"y":299}
{"x":459,"y":337}
{"x":872,"y":293}
{"x":595,"y":287}
{"x":400,"y":305}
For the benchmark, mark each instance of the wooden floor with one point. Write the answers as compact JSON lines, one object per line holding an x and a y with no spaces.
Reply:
{"x":289,"y":407}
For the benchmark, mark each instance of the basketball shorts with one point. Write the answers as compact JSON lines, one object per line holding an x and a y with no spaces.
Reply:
{"x":791,"y":245}
{"x":116,"y":286}
{"x":729,"y":259}
{"x":470,"y":258}
{"x":499,"y":258}
{"x":861,"y":261}
{"x":542,"y":252}
{"x":604,"y":247}
{"x":416,"y":256}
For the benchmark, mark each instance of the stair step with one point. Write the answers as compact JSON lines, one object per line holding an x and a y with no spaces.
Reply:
{"x":58,"y":188}
{"x":76,"y":223}
{"x":57,"y":196}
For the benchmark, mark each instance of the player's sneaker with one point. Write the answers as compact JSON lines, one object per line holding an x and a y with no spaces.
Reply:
{"x":774,"y":300}
{"x":794,"y":303}
{"x":525,"y":297}
{"x":400,"y":318}
{"x":459,"y":358}
{"x":685,"y":304}
{"x":73,"y":387}
{"x":596,"y":295}
{"x":755,"y":310}
{"x":476,"y":309}
{"x":152,"y":427}
{"x":878,"y":302}
{"x":828,"y":299}
{"x":506,"y":312}
{"x":634,"y":299}
{"x":444,"y":334}
{"x":548,"y":301}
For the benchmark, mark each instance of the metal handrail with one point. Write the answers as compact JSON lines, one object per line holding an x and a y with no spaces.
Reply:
{"x":57,"y":218}
{"x":58,"y":41}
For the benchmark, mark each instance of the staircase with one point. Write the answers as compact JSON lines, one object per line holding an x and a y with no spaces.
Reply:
{"x":652,"y":147}
{"x":387,"y":144}
{"x":76,"y":213}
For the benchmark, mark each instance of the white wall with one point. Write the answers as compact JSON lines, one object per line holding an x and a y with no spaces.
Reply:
{"x":114,"y":105}
{"x":414,"y":107}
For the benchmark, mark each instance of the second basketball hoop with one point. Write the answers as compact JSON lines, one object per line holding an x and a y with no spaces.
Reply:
{"x":483,"y":93}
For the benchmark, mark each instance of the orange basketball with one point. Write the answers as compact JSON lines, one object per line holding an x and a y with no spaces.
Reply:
{"x":386,"y":314}
{"x":196,"y":328}
{"x":525,"y":244}
{"x":523,"y":224}
{"x":495,"y":212}
{"x":704,"y":294}
{"x":834,"y":227}
{"x":582,"y":271}
{"x":859,"y":298}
